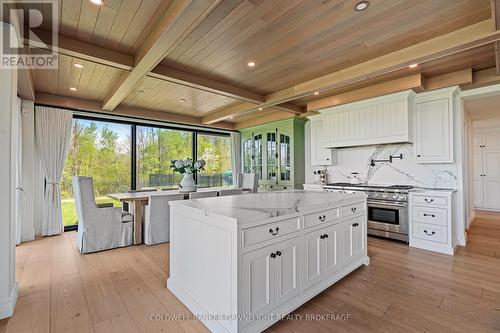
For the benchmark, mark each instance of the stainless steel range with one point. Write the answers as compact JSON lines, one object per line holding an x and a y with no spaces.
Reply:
{"x":387,"y":207}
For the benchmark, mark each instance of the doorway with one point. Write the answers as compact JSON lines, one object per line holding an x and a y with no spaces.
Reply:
{"x":482,"y":162}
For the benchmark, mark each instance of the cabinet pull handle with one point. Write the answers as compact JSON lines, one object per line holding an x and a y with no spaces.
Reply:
{"x":355,"y":224}
{"x":353,"y":209}
{"x":278,"y":253}
{"x":273,"y":255}
{"x":428,"y":200}
{"x":432,"y":233}
{"x":322,"y":218}
{"x":322,"y":237}
{"x":431,"y":215}
{"x":325,"y":236}
{"x":274,"y":233}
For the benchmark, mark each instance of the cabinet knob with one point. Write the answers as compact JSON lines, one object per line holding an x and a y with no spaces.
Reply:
{"x":322,"y":218}
{"x":418,"y":155}
{"x":278,"y":253}
{"x":273,"y":255}
{"x":428,"y":200}
{"x":327,"y":159}
{"x":322,"y":237}
{"x":325,"y":236}
{"x":353,"y":209}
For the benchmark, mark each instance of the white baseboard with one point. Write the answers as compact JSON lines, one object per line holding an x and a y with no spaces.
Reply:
{"x":7,"y":305}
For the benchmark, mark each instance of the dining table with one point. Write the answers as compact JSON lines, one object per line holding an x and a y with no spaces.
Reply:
{"x":138,"y":199}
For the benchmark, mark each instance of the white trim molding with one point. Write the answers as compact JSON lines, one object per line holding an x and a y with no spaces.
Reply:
{"x":7,"y":305}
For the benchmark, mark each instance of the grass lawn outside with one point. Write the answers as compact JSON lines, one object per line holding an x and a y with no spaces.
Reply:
{"x":69,"y":209}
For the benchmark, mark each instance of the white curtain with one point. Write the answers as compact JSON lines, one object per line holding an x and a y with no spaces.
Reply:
{"x":53,"y":134}
{"x":235,"y":156}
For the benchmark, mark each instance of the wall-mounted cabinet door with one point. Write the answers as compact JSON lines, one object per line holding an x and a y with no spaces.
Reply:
{"x":434,"y":131}
{"x":319,"y":154}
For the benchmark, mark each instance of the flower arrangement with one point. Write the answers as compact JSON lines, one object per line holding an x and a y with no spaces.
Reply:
{"x":187,"y":166}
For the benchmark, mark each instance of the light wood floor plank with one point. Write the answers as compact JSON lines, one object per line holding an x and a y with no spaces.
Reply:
{"x":402,"y":290}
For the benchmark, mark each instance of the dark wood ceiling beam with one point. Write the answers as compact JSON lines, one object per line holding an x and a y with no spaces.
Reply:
{"x":95,"y":106}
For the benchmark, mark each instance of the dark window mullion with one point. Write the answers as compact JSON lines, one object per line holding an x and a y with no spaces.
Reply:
{"x":133,"y":169}
{"x":195,"y":152}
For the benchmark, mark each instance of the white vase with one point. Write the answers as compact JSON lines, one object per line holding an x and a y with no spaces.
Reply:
{"x":187,"y":183}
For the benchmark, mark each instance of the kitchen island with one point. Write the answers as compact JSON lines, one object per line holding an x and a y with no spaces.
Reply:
{"x":240,"y":263}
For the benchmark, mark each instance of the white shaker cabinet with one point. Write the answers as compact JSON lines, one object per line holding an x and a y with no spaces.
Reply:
{"x":486,"y":170}
{"x":319,"y":154}
{"x":434,"y":126}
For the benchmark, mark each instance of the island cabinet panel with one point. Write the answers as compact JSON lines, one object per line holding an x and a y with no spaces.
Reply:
{"x":258,"y":282}
{"x":354,"y":239}
{"x":259,"y":263}
{"x":321,"y":254}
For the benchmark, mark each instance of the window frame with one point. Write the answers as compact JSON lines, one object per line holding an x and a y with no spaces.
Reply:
{"x":133,"y":122}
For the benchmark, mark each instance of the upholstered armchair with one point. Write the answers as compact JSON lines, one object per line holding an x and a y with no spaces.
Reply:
{"x":157,"y":218}
{"x":99,"y":228}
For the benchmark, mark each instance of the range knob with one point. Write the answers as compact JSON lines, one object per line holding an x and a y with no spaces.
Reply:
{"x":395,"y":196}
{"x":384,"y":196}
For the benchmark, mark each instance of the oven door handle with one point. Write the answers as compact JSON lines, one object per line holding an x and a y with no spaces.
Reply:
{"x":381,"y":204}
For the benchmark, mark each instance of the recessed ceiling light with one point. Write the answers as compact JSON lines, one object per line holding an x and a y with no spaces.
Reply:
{"x":72,"y":89}
{"x":251,"y":64}
{"x":360,"y":6}
{"x":260,"y":109}
{"x":413,"y":65}
{"x":183,"y":100}
{"x":96,"y":2}
{"x":316,"y":93}
{"x":78,"y":65}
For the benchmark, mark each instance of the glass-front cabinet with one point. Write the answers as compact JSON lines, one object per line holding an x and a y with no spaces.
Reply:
{"x":275,"y":152}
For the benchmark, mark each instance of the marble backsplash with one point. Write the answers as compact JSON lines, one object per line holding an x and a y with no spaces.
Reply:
{"x":405,"y":171}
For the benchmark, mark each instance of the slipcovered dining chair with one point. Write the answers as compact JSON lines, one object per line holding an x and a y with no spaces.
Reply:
{"x":230,"y":191}
{"x":248,"y":180}
{"x":99,"y":228}
{"x":205,"y":194}
{"x":157,"y":218}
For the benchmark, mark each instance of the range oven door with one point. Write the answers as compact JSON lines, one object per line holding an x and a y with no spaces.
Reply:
{"x":388,"y":216}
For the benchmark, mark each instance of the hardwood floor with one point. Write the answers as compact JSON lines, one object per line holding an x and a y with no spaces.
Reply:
{"x":403,"y":290}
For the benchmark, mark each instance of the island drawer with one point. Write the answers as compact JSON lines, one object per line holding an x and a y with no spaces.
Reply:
{"x":430,"y":215}
{"x":321,"y":217}
{"x":353,"y":209}
{"x":434,"y":233}
{"x":429,"y":200}
{"x":270,"y":231}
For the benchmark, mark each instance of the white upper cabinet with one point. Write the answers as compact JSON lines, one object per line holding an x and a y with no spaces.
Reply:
{"x":380,"y":120}
{"x":434,"y":126}
{"x":319,"y":154}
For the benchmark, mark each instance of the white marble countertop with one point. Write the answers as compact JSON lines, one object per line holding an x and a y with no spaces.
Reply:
{"x":265,"y":205}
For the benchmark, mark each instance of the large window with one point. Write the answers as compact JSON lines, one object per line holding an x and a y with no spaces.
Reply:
{"x":100,"y":150}
{"x":107,"y":151}
{"x":216,"y":151}
{"x":156,"y":148}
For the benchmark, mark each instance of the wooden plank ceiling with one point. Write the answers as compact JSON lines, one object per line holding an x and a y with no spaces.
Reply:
{"x":204,"y":74}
